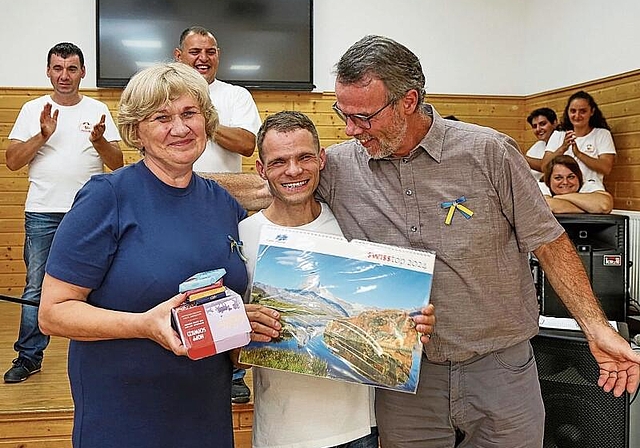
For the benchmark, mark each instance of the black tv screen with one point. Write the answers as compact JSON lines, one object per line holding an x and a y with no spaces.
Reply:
{"x":265,"y":44}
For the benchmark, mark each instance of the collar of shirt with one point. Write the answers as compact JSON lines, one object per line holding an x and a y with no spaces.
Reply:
{"x":431,"y":143}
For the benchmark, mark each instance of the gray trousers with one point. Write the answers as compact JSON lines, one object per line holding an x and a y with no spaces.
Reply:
{"x":488,"y":401}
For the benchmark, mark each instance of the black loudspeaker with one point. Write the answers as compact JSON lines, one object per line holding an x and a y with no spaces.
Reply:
{"x":603,"y":245}
{"x":579,"y":414}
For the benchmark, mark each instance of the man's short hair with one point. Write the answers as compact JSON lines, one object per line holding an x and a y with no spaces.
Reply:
{"x":546,"y":112}
{"x":286,"y":121}
{"x":64,"y":50}
{"x":202,"y":31}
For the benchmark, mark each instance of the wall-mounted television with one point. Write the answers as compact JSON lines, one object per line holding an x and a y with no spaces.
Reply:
{"x":265,"y":44}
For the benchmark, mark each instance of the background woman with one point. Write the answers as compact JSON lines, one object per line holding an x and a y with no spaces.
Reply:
{"x":586,"y":138}
{"x":566,"y":191}
{"x":116,"y":262}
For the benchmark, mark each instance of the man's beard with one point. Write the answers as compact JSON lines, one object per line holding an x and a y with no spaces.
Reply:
{"x":390,"y":141}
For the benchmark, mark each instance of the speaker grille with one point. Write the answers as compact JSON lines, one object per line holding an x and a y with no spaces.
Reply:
{"x":579,"y":414}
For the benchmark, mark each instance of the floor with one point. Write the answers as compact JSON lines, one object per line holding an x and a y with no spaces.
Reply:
{"x":38,"y":413}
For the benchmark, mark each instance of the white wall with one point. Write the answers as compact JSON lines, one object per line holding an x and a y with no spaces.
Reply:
{"x":458,"y":41}
{"x":29,"y":28}
{"x":466,"y":46}
{"x":572,"y":41}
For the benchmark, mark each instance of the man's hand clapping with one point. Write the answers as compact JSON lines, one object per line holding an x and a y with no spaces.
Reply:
{"x":48,"y":122}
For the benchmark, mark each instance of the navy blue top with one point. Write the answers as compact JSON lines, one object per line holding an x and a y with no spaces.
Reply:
{"x":133,"y":239}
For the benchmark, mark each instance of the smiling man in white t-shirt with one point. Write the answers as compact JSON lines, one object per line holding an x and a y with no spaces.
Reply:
{"x":543,"y":122}
{"x":292,"y":410}
{"x":64,"y":138}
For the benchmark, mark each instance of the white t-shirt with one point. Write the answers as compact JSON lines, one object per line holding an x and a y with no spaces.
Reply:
{"x":597,"y":142}
{"x":68,"y":159}
{"x":235,"y":108}
{"x":537,"y":152}
{"x":301,"y":411}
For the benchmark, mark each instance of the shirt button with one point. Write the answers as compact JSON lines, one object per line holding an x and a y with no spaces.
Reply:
{"x":405,"y":160}
{"x":414,"y":229}
{"x":408,"y":192}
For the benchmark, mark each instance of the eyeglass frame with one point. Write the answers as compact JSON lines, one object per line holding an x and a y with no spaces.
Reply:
{"x":362,"y":119}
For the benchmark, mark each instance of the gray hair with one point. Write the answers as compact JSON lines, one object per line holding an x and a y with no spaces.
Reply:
{"x":152,"y":88}
{"x":286,"y":121}
{"x":380,"y":57}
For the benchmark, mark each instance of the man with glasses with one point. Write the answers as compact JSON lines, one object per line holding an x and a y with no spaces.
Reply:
{"x":235,"y":136}
{"x":363,"y":121}
{"x":410,"y":178}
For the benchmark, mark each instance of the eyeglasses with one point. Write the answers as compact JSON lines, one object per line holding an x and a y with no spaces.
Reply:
{"x":362,"y":121}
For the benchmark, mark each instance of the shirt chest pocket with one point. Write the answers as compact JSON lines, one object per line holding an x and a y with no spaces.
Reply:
{"x":465,"y":229}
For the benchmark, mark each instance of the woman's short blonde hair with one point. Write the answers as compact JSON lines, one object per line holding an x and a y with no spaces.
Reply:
{"x":152,"y":88}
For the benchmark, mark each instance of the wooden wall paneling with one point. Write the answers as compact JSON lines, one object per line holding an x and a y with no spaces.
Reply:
{"x":249,"y":163}
{"x":11,"y":280}
{"x":12,"y":239}
{"x":7,"y":253}
{"x":12,"y":225}
{"x":619,"y":96}
{"x":503,"y":113}
{"x":11,"y":266}
{"x":12,"y":180}
{"x":12,"y":197}
{"x":624,"y":125}
{"x":12,"y":176}
{"x":130,"y":155}
{"x":11,"y":212}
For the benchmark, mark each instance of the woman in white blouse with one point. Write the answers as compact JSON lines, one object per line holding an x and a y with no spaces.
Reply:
{"x":586,"y":137}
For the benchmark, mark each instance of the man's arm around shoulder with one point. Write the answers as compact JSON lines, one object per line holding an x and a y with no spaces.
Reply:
{"x":249,"y":189}
{"x":236,"y":140}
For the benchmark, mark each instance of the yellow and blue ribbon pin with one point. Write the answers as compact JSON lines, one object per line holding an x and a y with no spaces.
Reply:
{"x":456,"y":205}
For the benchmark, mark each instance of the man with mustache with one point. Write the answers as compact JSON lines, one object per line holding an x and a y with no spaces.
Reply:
{"x":410,"y":178}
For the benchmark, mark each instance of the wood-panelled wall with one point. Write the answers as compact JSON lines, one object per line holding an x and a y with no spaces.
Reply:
{"x":619,"y":98}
